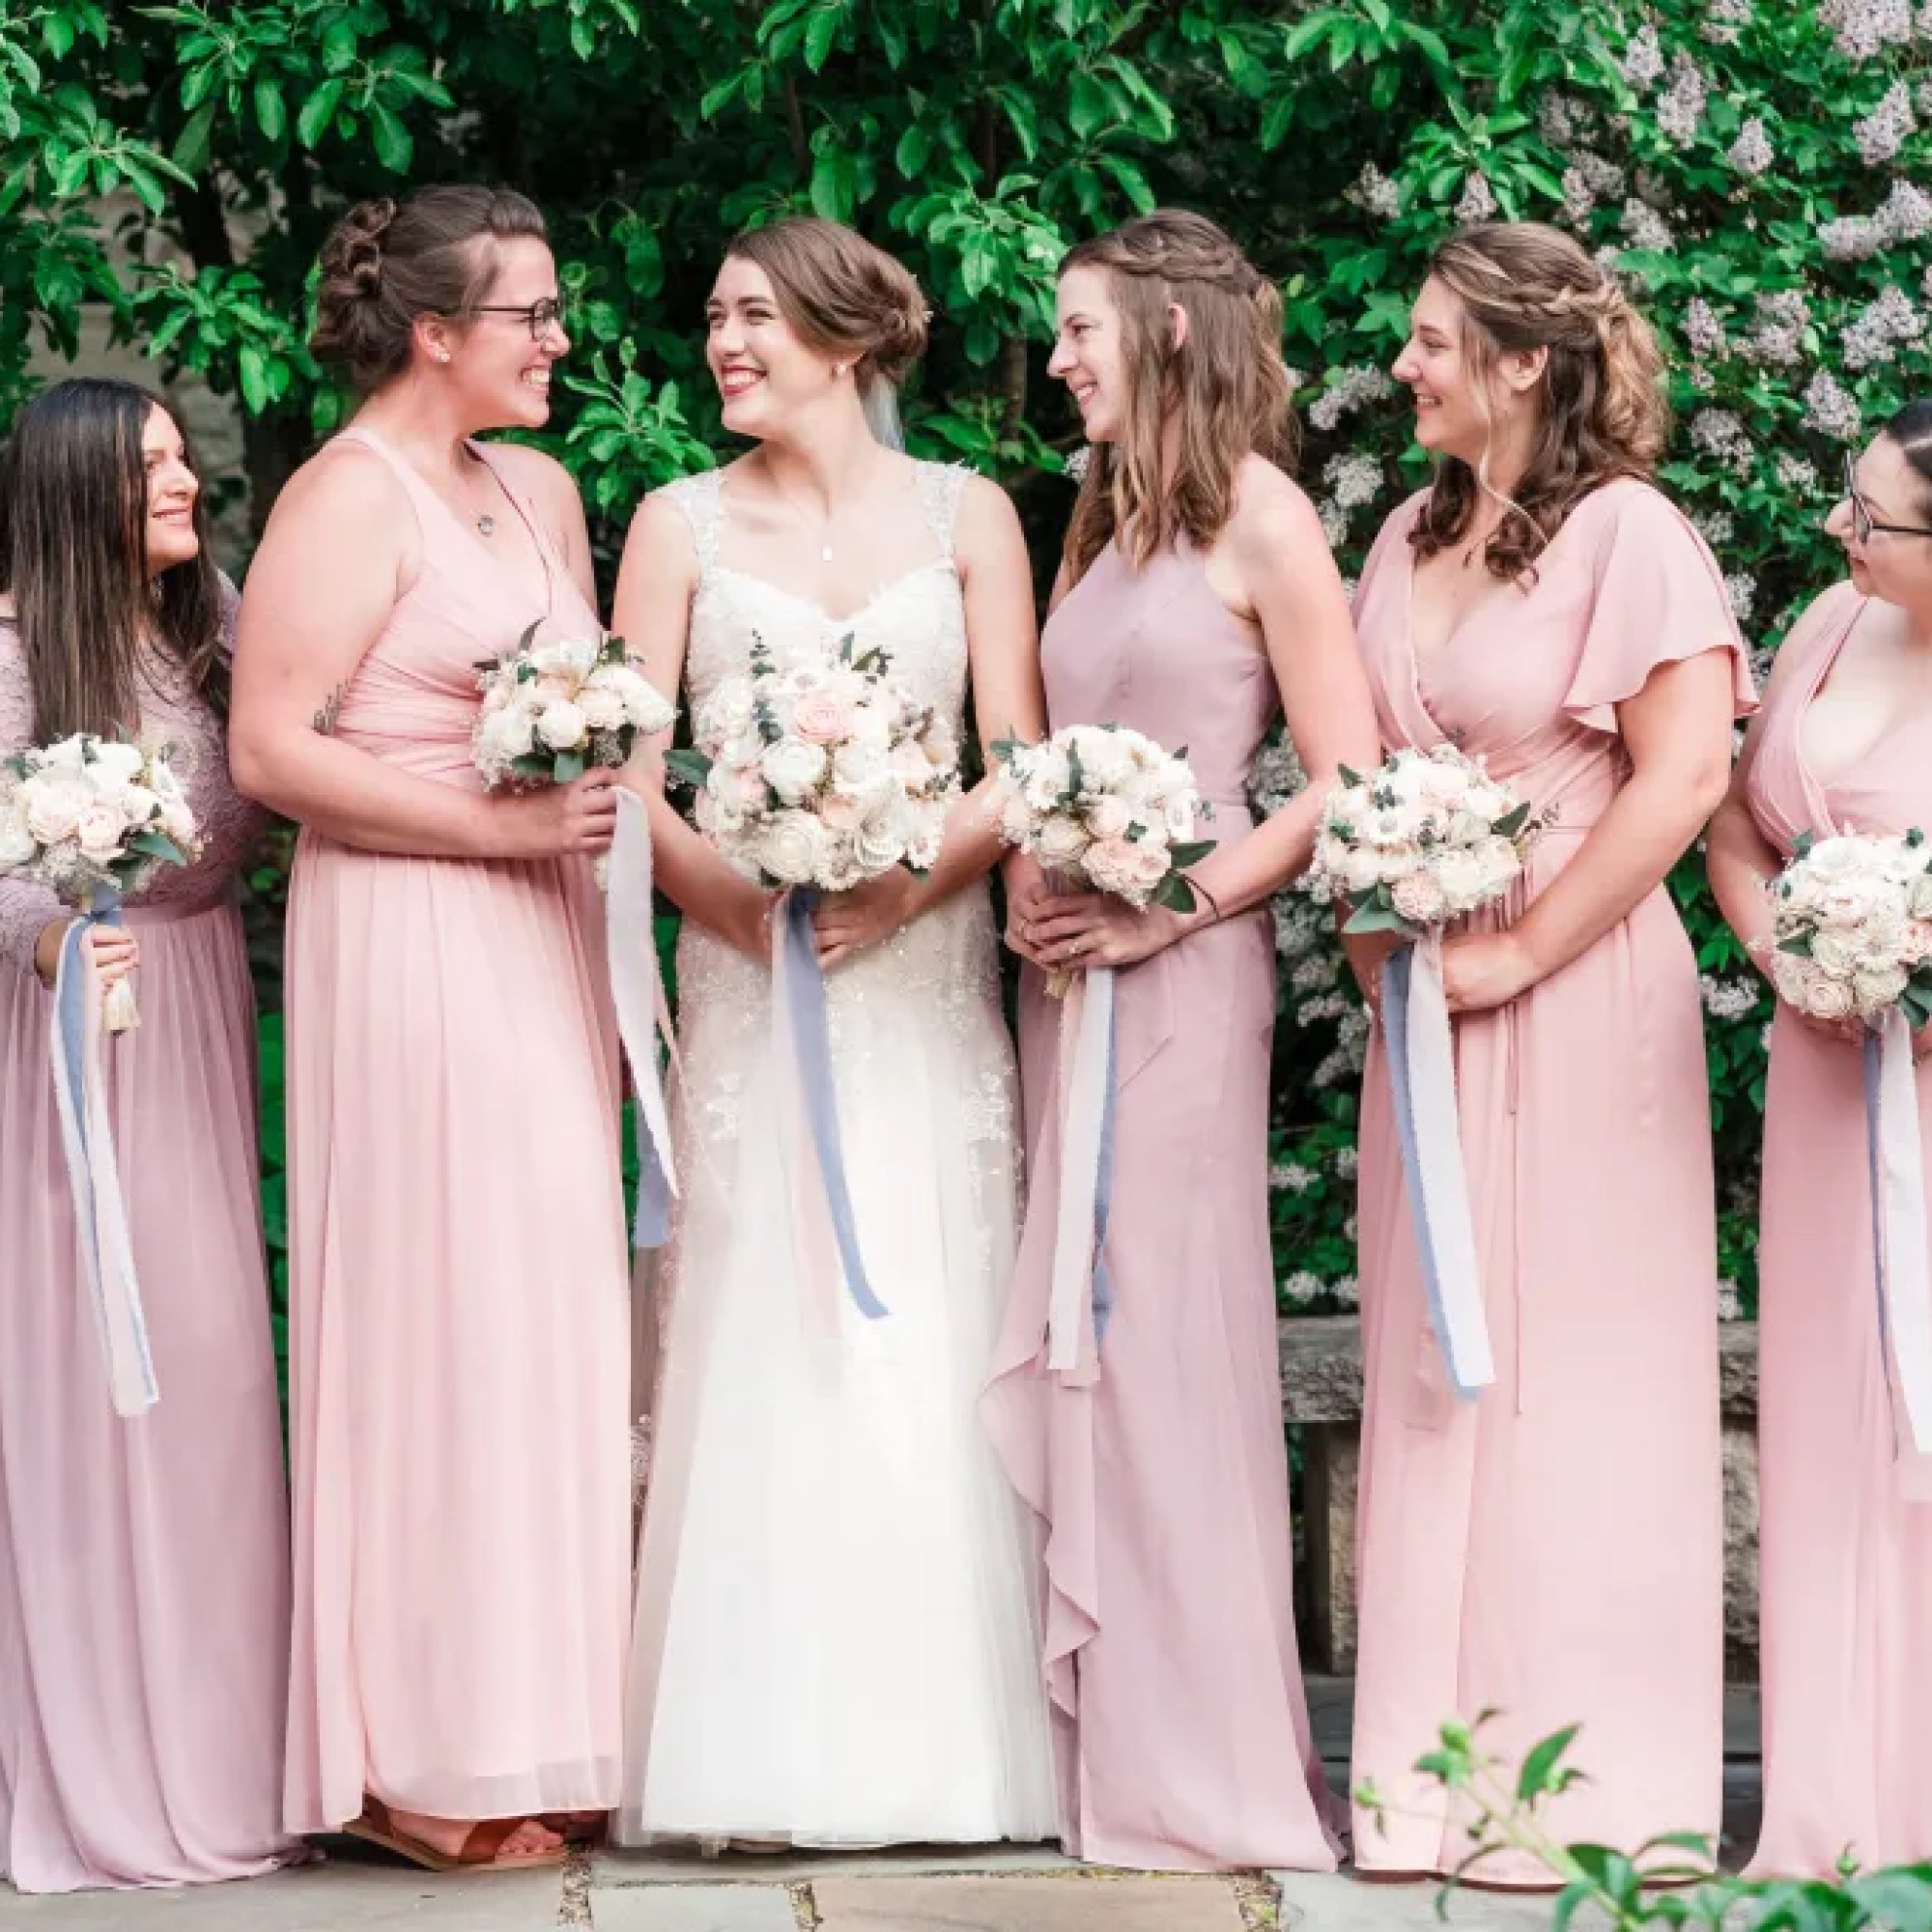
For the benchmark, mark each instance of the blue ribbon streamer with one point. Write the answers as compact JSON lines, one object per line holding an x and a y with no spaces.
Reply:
{"x":1103,"y":1192}
{"x":1872,"y":1049}
{"x":650,"y":1226}
{"x":811,"y":1029}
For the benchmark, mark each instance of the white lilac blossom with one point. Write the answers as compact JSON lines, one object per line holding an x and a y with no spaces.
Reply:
{"x":1796,"y":474}
{"x":1078,"y":462}
{"x":1702,"y":381}
{"x":1347,"y":1161}
{"x":1354,"y":479}
{"x":1345,"y":1292}
{"x":1862,"y":28}
{"x":1777,"y":327}
{"x":1874,"y":334}
{"x":1715,"y":527}
{"x":1760,"y":659}
{"x":1275,"y":777}
{"x":1703,"y":329}
{"x":1730,"y":1307}
{"x":1728,"y":999}
{"x":1587,"y":181}
{"x":1830,"y":410}
{"x":1350,"y":388}
{"x":1561,"y":118}
{"x":1478,"y":201}
{"x":1851,"y":237}
{"x":1374,"y":193}
{"x":1906,"y":213}
{"x":1752,"y":154}
{"x":1645,"y":229}
{"x":1302,"y":1286}
{"x":1289,"y":1177}
{"x":1741,"y":590}
{"x":1315,"y":975}
{"x":1718,"y":434}
{"x":1887,"y":127}
{"x":1334,"y":521}
{"x":1724,"y":21}
{"x":1680,"y":108}
{"x":1643,"y":58}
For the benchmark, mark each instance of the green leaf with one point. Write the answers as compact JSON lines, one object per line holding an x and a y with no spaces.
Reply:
{"x":312,"y":123}
{"x":394,"y":146}
{"x":1087,"y":107}
{"x":821,"y":34}
{"x":688,"y":767}
{"x":1192,"y":852}
{"x":271,"y":111}
{"x":1378,"y":918}
{"x":1538,"y":1764}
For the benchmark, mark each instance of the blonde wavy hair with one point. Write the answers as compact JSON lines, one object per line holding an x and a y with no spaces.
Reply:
{"x":1225,"y":385}
{"x":1601,"y":413}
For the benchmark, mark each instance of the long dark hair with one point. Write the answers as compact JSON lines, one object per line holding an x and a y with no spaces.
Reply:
{"x":74,"y":554}
{"x":1522,"y":286}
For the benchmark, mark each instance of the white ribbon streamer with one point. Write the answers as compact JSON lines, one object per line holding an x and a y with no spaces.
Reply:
{"x":1898,"y":1186}
{"x":1083,"y":1129}
{"x":1422,"y":1068}
{"x":101,"y":1213}
{"x":637,"y":992}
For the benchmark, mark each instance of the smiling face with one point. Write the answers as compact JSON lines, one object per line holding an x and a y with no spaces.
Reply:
{"x":1448,"y":392}
{"x":1090,"y":353}
{"x":1893,"y":564}
{"x":172,"y":491}
{"x":501,"y":375}
{"x":764,"y":369}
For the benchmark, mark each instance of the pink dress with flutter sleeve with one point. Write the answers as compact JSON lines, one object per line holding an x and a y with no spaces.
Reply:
{"x":1552,"y":1549}
{"x":1846,"y":1538}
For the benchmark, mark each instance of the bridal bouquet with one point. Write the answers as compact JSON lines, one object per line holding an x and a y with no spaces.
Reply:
{"x":91,"y":819}
{"x":1852,"y":919}
{"x":551,"y":712}
{"x":1425,"y":838}
{"x":821,"y":775}
{"x":1106,"y":807}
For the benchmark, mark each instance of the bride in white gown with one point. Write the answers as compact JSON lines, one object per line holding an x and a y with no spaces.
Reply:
{"x":836,"y":1635}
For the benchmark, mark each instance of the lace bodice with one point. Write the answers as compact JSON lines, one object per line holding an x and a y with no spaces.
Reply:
{"x":172,"y":713}
{"x":916,"y":616}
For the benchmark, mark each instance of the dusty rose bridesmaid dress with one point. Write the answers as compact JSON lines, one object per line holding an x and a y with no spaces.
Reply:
{"x":459,"y":1319}
{"x":1552,"y":1549}
{"x":1180,"y":1728}
{"x":1846,"y":1554}
{"x":143,"y":1596}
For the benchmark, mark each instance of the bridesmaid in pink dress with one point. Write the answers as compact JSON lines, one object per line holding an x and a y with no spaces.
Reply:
{"x":144,"y":1597}
{"x":1160,"y":1485}
{"x":1844,"y":743}
{"x":458,"y":1320}
{"x":1551,"y":1549}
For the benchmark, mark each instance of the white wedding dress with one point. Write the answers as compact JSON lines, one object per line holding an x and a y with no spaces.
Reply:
{"x":835,"y":1637}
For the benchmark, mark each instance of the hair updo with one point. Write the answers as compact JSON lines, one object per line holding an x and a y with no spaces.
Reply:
{"x":1524,"y":286}
{"x":1223,"y":382}
{"x":1911,"y":428}
{"x":842,"y":295}
{"x":386,"y":264}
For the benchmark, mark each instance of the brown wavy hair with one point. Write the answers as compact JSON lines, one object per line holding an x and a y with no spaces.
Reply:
{"x":1601,"y":408}
{"x":73,"y":556}
{"x":1226,"y":386}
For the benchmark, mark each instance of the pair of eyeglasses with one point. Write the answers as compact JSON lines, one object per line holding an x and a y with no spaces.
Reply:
{"x":1864,"y":523}
{"x":540,"y":318}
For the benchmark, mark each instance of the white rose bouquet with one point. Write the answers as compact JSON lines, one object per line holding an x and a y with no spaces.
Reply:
{"x":1106,"y":807}
{"x":551,"y":712}
{"x":821,"y":775}
{"x":91,"y":819}
{"x":1425,"y":838}
{"x":1852,"y":924}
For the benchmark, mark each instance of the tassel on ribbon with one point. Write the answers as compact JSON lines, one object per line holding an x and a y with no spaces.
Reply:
{"x":1900,"y":1242}
{"x":801,"y":1058}
{"x":1422,"y":1071}
{"x":101,"y":1213}
{"x":637,"y":991}
{"x":1081,"y":1298}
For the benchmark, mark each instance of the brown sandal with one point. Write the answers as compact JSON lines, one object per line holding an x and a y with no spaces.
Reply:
{"x":480,"y":1852}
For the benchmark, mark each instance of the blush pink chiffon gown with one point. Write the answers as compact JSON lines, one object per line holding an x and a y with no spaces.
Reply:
{"x":1552,"y":1549}
{"x":459,"y":1318}
{"x":1846,"y":1549}
{"x":144,"y":1594}
{"x":1181,"y":1727}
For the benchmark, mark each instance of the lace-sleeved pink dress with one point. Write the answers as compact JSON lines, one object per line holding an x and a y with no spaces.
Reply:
{"x":143,"y":1564}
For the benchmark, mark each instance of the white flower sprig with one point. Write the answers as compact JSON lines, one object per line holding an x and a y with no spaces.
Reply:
{"x":1852,"y":924}
{"x":551,"y":712}
{"x":88,"y":813}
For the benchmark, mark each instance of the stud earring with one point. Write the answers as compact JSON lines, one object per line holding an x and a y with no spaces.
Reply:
{"x":839,"y":368}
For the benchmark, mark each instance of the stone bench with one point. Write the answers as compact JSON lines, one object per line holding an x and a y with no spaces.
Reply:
{"x":1321,"y":1389}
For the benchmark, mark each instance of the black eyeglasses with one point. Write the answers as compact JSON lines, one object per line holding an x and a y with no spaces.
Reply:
{"x":1864,"y":523}
{"x":540,"y":318}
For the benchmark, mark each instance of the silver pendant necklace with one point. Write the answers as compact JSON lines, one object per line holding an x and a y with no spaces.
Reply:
{"x":486,"y":524}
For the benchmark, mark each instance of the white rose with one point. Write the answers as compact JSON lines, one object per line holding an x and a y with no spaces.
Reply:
{"x":1420,"y":897}
{"x":122,"y":764}
{"x":511,"y":733}
{"x":137,"y":803}
{"x":70,"y":754}
{"x":726,"y":714}
{"x":1016,"y":820}
{"x":1460,"y":879}
{"x":1834,"y":953}
{"x":177,"y":823}
{"x":602,"y":707}
{"x":1152,"y":862}
{"x":909,"y":766}
{"x":871,"y":728}
{"x":1825,"y":997}
{"x":861,"y":771}
{"x":1062,"y":840}
{"x":792,"y":768}
{"x":880,"y":843}
{"x":1105,"y":761}
{"x":562,"y":725}
{"x":100,"y":831}
{"x":1877,"y":988}
{"x":54,"y":806}
{"x":1113,"y":866}
{"x":1361,"y":869}
{"x":793,"y":848}
{"x":18,"y":845}
{"x":1109,"y":819}
{"x":842,"y":813}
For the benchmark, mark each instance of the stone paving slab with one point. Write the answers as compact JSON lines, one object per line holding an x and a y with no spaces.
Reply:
{"x":1322,"y":1902}
{"x":337,"y":1896}
{"x":665,"y":1867}
{"x":693,"y":1908}
{"x":1063,"y":1904}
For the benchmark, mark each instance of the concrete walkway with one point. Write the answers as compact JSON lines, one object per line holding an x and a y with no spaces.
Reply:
{"x":358,"y":1888}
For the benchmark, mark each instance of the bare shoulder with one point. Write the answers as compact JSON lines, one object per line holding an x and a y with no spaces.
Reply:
{"x":986,"y":515}
{"x":1824,"y":613}
{"x":346,"y":485}
{"x":541,"y":477}
{"x":1272,"y":509}
{"x":661,"y":536}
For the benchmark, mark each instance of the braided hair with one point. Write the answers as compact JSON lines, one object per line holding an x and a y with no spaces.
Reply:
{"x":1602,"y":415}
{"x":1226,"y":386}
